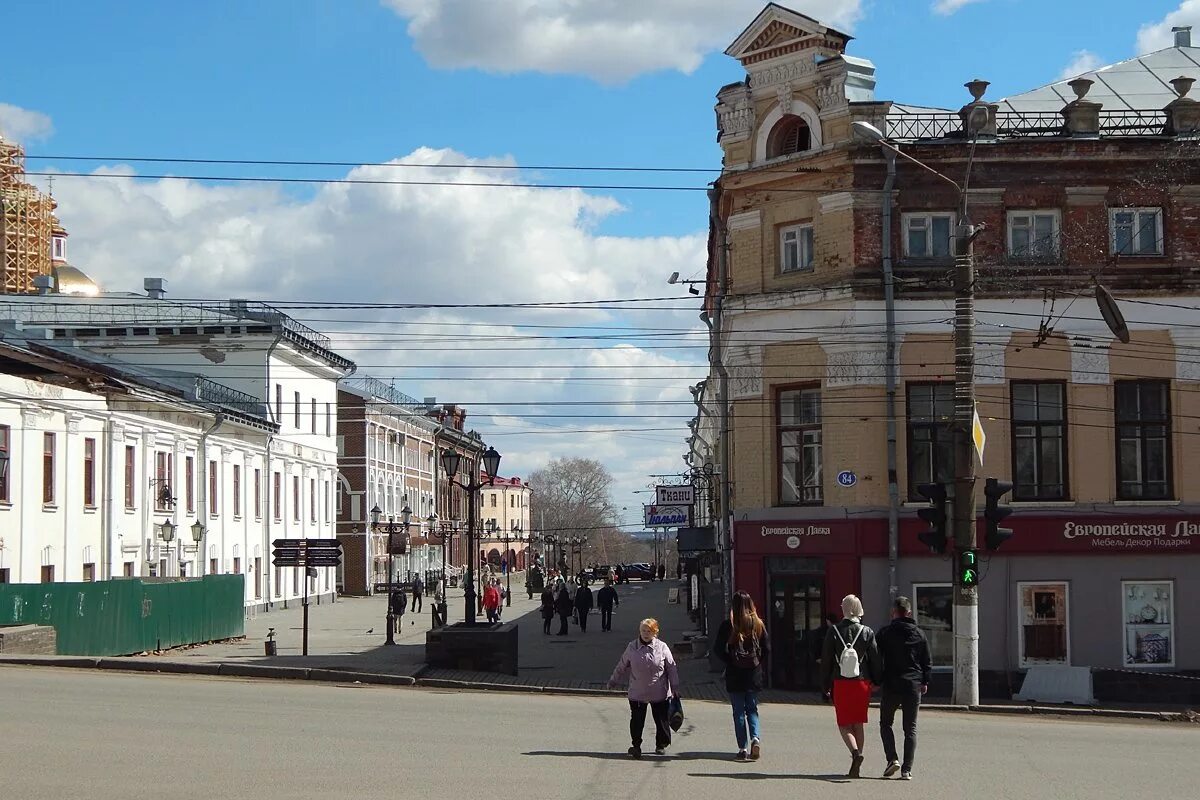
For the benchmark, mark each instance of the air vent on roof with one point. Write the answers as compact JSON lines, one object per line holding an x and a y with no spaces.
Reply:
{"x":1183,"y":35}
{"x":155,"y":287}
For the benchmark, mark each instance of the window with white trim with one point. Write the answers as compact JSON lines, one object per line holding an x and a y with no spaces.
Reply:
{"x":796,"y":248}
{"x":1136,"y":231}
{"x":1034,"y":234}
{"x":928,"y":235}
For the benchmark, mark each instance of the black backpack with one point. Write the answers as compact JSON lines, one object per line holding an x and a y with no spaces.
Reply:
{"x":744,"y":657}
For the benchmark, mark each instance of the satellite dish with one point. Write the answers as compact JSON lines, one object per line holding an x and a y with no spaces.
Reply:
{"x":1112,"y":314}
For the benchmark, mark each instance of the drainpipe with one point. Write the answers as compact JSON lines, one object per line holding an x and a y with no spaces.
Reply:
{"x":892,"y":367}
{"x":202,"y":506}
{"x":268,"y":477}
{"x":717,"y":362}
{"x":108,"y":540}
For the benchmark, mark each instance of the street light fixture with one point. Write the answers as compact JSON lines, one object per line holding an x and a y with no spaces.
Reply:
{"x":376,"y":516}
{"x":491,"y":464}
{"x":197,"y":532}
{"x":167,"y":531}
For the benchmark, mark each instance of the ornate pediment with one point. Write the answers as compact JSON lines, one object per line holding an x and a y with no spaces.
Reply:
{"x":777,"y":32}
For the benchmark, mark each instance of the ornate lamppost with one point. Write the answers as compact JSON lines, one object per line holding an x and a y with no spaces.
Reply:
{"x":471,"y":485}
{"x":405,"y":520}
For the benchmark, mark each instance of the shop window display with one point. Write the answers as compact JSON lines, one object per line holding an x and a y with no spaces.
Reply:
{"x":933,"y":608}
{"x":1043,"y":628}
{"x":1149,"y":620}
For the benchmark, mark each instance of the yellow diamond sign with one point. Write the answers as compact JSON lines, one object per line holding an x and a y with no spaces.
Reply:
{"x":977,"y":434}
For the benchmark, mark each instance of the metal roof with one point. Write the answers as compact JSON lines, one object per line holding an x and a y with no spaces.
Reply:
{"x":1142,"y":83}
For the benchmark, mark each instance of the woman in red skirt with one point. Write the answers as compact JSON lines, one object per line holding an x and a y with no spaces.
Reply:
{"x":850,"y":664}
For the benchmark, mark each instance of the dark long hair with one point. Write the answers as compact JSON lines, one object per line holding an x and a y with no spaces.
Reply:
{"x":745,"y":624}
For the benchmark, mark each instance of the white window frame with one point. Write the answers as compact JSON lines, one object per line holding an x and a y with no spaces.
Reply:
{"x":804,"y":245}
{"x":1023,"y":662}
{"x":916,"y":589}
{"x":1128,"y":607}
{"x":907,"y":219}
{"x":1137,"y":211}
{"x":1054,"y":214}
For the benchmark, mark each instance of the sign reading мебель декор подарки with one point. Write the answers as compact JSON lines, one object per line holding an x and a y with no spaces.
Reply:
{"x":668,"y":516}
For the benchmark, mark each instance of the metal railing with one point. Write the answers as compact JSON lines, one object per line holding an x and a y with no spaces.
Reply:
{"x":59,"y":310}
{"x":382,"y":391}
{"x":207,"y":391}
{"x":1024,"y":124}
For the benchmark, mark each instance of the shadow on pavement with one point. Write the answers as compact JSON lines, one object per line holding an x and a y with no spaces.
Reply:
{"x":761,"y":776}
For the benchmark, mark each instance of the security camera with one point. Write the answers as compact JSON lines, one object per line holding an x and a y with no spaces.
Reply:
{"x":674,"y":278}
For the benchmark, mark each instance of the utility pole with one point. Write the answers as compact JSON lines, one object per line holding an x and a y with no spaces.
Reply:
{"x":966,"y":597}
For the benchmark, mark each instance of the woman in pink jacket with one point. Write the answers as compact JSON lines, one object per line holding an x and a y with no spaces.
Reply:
{"x":653,"y":681}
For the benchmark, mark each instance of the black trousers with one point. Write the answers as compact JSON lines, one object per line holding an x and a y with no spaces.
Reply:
{"x":637,"y":721}
{"x":562,"y":623}
{"x":546,"y":624}
{"x":908,"y":700}
{"x":581,"y":614}
{"x":416,"y":602}
{"x":605,"y":619}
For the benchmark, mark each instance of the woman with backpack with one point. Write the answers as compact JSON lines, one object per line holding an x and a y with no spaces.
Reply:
{"x":850,"y":664}
{"x":741,"y":644}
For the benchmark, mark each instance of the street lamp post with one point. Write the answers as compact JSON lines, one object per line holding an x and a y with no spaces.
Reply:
{"x":471,"y":485}
{"x":405,"y":520}
{"x":197,"y":538}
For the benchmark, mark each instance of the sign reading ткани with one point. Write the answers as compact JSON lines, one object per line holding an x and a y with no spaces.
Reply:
{"x":675,"y":495}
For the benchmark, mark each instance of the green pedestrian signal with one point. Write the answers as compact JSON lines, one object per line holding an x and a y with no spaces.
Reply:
{"x":968,"y":568}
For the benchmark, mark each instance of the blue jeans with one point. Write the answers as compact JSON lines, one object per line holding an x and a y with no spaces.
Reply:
{"x":745,"y":715}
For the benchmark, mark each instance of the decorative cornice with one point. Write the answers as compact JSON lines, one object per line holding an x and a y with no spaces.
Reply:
{"x":745,"y":220}
{"x":838,"y":201}
{"x":985,"y":197}
{"x":1086,"y":195}
{"x":1090,"y":364}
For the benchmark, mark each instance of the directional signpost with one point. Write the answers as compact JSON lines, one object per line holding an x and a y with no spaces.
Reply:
{"x":304,"y":554}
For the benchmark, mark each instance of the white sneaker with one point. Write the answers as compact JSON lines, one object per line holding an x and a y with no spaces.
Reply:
{"x":906,"y":776}
{"x":891,"y":769}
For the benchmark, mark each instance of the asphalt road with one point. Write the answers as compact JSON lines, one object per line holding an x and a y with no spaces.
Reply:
{"x":66,"y":733}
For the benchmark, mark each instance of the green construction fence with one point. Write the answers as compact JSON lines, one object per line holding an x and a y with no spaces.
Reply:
{"x":129,"y":615}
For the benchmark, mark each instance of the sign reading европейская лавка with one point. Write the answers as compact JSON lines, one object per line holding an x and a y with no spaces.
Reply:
{"x":797,"y":530}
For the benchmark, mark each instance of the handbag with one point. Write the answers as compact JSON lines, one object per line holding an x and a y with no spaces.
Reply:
{"x":675,"y":714}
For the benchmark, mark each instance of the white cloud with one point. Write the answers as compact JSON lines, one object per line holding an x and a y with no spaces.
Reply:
{"x":608,"y":40}
{"x":948,"y":7}
{"x":1157,"y":35}
{"x":1081,"y":61}
{"x":23,"y":125}
{"x":433,"y":244}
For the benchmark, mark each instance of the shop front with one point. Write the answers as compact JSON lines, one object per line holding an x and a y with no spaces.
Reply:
{"x":1098,"y":590}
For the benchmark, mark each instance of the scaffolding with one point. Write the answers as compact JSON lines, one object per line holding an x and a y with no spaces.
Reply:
{"x":26,"y":223}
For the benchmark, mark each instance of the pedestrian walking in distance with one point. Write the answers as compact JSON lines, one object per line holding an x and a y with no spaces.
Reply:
{"x":547,"y":608}
{"x":399,"y":601}
{"x":741,"y":644}
{"x":850,"y":663}
{"x":583,"y":605}
{"x":562,"y":606}
{"x":906,"y":670}
{"x":607,"y":599}
{"x":491,"y":602}
{"x":418,"y":590}
{"x":653,"y":681}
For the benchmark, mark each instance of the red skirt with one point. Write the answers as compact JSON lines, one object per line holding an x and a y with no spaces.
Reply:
{"x":851,"y":696}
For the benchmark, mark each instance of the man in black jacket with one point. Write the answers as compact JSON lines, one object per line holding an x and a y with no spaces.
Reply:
{"x":607,"y":598}
{"x":906,"y":670}
{"x":583,"y":605}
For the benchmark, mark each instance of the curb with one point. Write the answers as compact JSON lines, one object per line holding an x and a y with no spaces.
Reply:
{"x":417,"y":680}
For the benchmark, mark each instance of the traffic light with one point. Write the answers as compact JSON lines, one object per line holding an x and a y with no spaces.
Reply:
{"x":993,"y":513}
{"x":935,"y":515}
{"x":968,"y":568}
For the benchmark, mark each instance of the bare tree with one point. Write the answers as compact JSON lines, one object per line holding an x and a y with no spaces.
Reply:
{"x":572,"y":497}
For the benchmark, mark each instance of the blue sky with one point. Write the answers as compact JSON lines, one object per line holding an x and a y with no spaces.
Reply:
{"x":446,"y":82}
{"x":305,"y":79}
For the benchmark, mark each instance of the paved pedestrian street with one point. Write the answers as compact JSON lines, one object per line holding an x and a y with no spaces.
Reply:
{"x":123,"y":736}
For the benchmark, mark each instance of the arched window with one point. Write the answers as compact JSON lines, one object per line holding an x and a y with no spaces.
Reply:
{"x":790,"y":135}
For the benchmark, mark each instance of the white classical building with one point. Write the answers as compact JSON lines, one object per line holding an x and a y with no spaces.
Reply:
{"x":227,"y":425}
